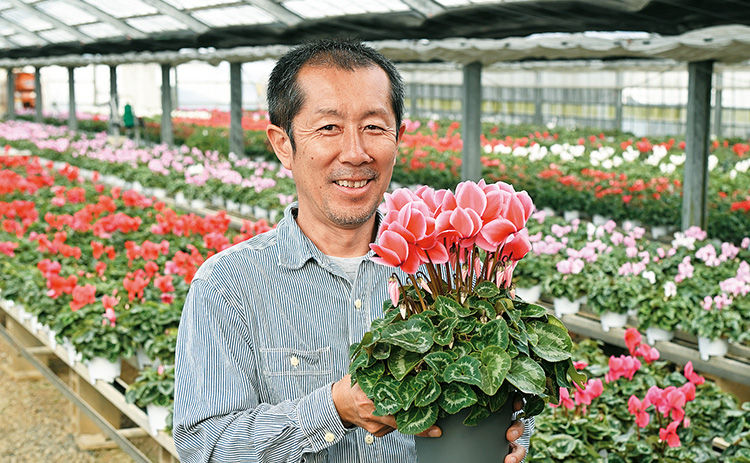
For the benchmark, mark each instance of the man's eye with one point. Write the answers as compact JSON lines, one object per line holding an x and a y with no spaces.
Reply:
{"x":373,"y":127}
{"x":328,"y":127}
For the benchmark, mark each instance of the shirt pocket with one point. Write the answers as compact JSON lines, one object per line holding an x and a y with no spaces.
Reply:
{"x":292,"y":373}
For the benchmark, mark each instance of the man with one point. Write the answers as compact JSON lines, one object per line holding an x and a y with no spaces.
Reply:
{"x":262,"y":350}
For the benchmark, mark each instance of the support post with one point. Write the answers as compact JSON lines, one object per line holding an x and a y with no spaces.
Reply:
{"x":72,"y":118}
{"x":618,"y":100}
{"x":538,"y":97}
{"x":11,"y":112}
{"x":413,"y":99}
{"x":471,"y":130}
{"x":114,"y":103}
{"x":236,"y":137}
{"x":167,"y":132}
{"x":718,"y":90}
{"x":38,"y":115}
{"x":695,"y":186}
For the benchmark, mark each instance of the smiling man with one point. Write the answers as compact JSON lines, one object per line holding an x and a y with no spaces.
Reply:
{"x":262,"y":350}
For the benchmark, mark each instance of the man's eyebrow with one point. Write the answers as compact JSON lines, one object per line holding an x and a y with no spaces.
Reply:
{"x":335,"y":112}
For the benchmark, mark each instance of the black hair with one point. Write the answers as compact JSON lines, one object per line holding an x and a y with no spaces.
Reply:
{"x":285,"y":97}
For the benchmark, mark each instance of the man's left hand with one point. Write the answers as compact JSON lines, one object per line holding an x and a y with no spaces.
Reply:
{"x":517,"y":452}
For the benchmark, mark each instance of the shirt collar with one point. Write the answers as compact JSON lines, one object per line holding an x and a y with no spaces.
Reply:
{"x":295,"y":248}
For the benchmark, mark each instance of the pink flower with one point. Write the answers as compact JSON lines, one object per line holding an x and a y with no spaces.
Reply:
{"x":622,"y":366}
{"x":594,"y":389}
{"x":638,"y":409}
{"x":693,"y":377}
{"x":632,"y":339}
{"x":565,"y":400}
{"x":580,"y":365}
{"x":648,"y":353}
{"x":394,"y":251}
{"x":670,"y":434}
{"x":393,"y":291}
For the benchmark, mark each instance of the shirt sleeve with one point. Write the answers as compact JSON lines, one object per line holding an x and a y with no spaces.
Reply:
{"x":218,"y":415}
{"x":528,"y":431}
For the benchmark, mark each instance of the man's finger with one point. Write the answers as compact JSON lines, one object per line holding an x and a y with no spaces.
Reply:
{"x":515,"y":430}
{"x":517,"y":453}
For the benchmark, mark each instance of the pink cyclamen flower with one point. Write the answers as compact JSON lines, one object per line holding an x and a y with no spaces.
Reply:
{"x":624,"y":365}
{"x":648,"y":353}
{"x":594,"y":389}
{"x":393,"y":291}
{"x":670,"y":434}
{"x":638,"y":409}
{"x":565,"y":400}
{"x":632,"y":339}
{"x":693,"y":377}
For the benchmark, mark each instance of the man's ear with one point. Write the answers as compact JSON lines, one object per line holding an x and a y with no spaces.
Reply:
{"x":281,"y":144}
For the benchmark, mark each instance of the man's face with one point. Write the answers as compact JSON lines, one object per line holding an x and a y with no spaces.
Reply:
{"x":346,"y":143}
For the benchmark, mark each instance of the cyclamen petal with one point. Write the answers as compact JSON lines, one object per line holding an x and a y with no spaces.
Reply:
{"x":495,"y":233}
{"x":470,"y":196}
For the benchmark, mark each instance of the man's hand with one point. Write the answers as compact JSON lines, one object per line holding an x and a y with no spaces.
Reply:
{"x":518,"y":452}
{"x":355,"y":409}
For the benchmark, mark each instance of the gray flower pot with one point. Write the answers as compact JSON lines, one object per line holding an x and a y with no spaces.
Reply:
{"x":484,"y":443}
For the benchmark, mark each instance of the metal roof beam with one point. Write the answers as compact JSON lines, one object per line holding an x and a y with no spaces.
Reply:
{"x":426,"y":8}
{"x":168,"y":10}
{"x":106,"y":18}
{"x":54,"y":21}
{"x":277,"y":11}
{"x":39,"y":40}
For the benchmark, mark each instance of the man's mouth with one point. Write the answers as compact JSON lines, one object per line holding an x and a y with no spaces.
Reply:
{"x":351,"y":183}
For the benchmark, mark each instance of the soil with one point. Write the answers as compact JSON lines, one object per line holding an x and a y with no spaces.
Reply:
{"x":35,"y":423}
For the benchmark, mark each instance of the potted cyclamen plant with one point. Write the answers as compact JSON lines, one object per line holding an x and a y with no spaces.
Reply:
{"x":455,"y":344}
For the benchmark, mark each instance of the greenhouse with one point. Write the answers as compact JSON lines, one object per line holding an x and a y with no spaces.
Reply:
{"x":520,"y":225}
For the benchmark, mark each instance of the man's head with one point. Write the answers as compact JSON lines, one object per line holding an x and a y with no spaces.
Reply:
{"x":285,"y":97}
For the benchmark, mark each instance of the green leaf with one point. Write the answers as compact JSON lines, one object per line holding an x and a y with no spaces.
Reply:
{"x":466,"y":325}
{"x":527,"y":376}
{"x":484,"y":306}
{"x":456,"y":397}
{"x":368,"y":340}
{"x":360,"y":361}
{"x":431,"y":390}
{"x":438,"y":361}
{"x":385,"y":396}
{"x":497,"y":401}
{"x":448,"y":307}
{"x":414,"y":334}
{"x":532,"y":310}
{"x":402,"y":361}
{"x":554,"y":343}
{"x":476,"y":415}
{"x":367,"y":377}
{"x":381,"y":351}
{"x":444,"y":331}
{"x":465,"y":370}
{"x":552,"y":320}
{"x":560,"y":446}
{"x":534,"y":406}
{"x":486,"y":289}
{"x":409,"y":389}
{"x":577,"y":377}
{"x":417,"y":419}
{"x":492,"y":333}
{"x":495,"y":366}
{"x":505,"y":305}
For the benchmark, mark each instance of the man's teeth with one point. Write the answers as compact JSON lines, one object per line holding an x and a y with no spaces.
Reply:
{"x":348,"y":184}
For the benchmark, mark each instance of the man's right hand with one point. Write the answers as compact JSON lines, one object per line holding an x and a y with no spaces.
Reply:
{"x":355,"y":409}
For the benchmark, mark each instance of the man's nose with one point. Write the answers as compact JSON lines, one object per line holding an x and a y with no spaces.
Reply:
{"x":353,"y":151}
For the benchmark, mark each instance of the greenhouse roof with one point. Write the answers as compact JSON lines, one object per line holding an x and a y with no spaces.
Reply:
{"x":46,"y":28}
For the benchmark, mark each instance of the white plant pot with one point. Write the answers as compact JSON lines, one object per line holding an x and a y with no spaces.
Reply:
{"x":272,"y":215}
{"x":611,"y":320}
{"x":198,"y":204}
{"x":157,"y":418}
{"x":52,"y":337}
{"x":599,"y":219}
{"x":658,"y":232}
{"x":564,"y":306}
{"x":261,"y":213}
{"x":101,"y":368}
{"x":217,"y":201}
{"x":73,"y":355}
{"x":246,"y":210}
{"x":232,"y":206}
{"x":712,"y":347}
{"x":142,"y":359}
{"x":160,"y":192}
{"x":180,"y":199}
{"x":654,"y":333}
{"x":531,"y":294}
{"x":34,"y":324}
{"x":571,"y":215}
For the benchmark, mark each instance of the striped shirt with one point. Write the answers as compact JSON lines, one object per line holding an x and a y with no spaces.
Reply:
{"x":265,"y":331}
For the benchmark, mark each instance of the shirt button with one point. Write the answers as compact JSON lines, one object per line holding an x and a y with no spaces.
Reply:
{"x":358,"y":303}
{"x":369,"y":439}
{"x":329,"y":437}
{"x":294,"y":360}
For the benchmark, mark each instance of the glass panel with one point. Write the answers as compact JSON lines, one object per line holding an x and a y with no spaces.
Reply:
{"x":57,"y":36}
{"x":123,"y":9}
{"x":100,"y":30}
{"x":66,"y":13}
{"x":307,"y":8}
{"x":233,"y":16}
{"x":190,"y":4}
{"x":26,"y":20}
{"x":21,"y":40}
{"x":159,"y":23}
